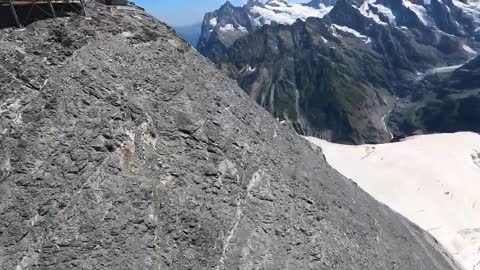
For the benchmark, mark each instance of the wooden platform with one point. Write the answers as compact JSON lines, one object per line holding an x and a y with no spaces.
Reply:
{"x":45,"y":6}
{"x":33,"y":2}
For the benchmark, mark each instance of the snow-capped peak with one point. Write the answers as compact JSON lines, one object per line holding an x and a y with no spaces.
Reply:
{"x":335,"y":28}
{"x":419,"y":10}
{"x":367,"y":12}
{"x":472,"y":8}
{"x":283,"y":12}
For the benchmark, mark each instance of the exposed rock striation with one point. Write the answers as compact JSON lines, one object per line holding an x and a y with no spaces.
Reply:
{"x":123,"y":148}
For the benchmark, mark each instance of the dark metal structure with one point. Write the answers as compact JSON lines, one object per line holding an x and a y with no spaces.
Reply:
{"x":23,"y":10}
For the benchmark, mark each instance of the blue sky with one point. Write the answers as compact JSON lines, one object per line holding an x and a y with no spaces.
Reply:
{"x":182,"y":12}
{"x":185,"y":12}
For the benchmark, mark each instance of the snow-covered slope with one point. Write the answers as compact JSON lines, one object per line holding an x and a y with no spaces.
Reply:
{"x":283,"y":12}
{"x":377,"y":12}
{"x":433,"y":180}
{"x":471,"y":7}
{"x":445,"y":18}
{"x":453,"y":17}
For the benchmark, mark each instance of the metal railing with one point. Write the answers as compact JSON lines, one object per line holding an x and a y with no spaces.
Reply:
{"x":40,"y":4}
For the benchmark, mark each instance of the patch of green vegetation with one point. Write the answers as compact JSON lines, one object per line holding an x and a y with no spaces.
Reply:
{"x":448,"y":114}
{"x":331,"y":94}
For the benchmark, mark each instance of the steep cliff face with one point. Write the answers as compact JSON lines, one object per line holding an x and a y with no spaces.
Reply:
{"x":221,"y":28}
{"x":451,"y":103}
{"x":319,"y":80}
{"x":123,"y":148}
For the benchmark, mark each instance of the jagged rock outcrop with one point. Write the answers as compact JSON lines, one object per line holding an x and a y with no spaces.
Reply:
{"x":123,"y":148}
{"x":222,"y":27}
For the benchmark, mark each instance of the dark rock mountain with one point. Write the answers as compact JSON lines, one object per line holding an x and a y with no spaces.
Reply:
{"x":452,"y":103}
{"x":338,"y":76}
{"x":222,"y":27}
{"x":294,"y":77}
{"x":467,"y":76}
{"x":122,"y":148}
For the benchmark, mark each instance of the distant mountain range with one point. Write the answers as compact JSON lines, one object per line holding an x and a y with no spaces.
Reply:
{"x":191,"y":33}
{"x":353,"y":71}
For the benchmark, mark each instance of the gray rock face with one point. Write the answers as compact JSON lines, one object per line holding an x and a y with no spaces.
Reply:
{"x":122,"y":148}
{"x":223,"y":26}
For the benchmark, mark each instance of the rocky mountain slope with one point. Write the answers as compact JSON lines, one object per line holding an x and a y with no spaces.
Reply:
{"x":122,"y":148}
{"x":448,"y":101}
{"x":338,"y":73}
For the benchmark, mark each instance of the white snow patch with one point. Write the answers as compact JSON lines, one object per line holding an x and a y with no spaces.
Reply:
{"x":438,"y":70}
{"x":386,"y":12}
{"x":346,"y":29}
{"x":385,"y":124}
{"x":443,"y":69}
{"x":285,"y":13}
{"x":420,"y":11}
{"x":213,"y":22}
{"x":471,"y":7}
{"x":242,"y":28}
{"x":433,"y":180}
{"x":367,"y":12}
{"x":469,"y":49}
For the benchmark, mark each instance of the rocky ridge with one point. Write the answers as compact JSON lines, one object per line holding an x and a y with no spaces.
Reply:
{"x":123,"y":148}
